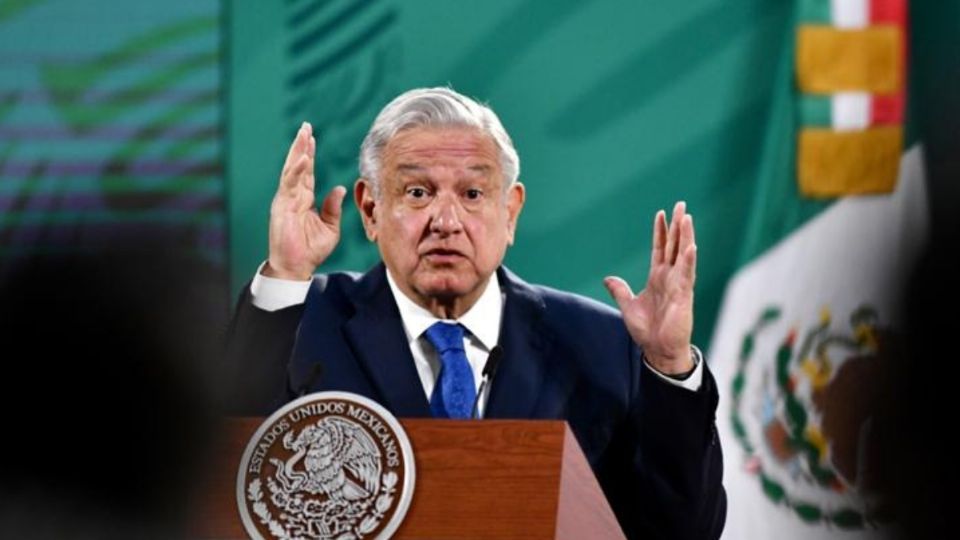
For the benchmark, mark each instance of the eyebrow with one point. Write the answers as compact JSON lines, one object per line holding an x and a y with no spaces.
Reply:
{"x":413,"y":167}
{"x":409,"y":167}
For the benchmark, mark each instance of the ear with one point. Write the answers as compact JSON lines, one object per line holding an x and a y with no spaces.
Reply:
{"x":366,"y":204}
{"x":516,"y":195}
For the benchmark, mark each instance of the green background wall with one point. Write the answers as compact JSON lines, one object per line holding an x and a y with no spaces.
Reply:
{"x":616,"y":108}
{"x":110,"y":126}
{"x":168,"y":122}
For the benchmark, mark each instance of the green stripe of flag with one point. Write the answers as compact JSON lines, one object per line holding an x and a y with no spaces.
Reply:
{"x":813,"y":12}
{"x":813,"y":110}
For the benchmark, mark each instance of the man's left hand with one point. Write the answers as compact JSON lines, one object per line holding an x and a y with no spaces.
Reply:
{"x":660,"y":317}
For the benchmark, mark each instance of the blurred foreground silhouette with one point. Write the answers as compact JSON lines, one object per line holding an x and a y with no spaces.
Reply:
{"x":106,"y":393}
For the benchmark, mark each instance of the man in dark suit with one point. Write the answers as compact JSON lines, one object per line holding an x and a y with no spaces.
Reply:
{"x":439,"y":195}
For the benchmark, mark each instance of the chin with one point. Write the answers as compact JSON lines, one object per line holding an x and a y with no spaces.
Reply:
{"x":442,"y":286}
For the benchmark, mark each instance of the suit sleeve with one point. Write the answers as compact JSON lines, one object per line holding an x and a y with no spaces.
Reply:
{"x":258,"y":348}
{"x":673,"y":452}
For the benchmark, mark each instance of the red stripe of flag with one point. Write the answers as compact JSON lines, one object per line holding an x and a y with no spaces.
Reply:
{"x":889,"y":109}
{"x":888,"y":12}
{"x":886,"y":109}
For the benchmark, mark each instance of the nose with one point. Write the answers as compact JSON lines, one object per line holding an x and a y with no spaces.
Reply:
{"x":446,"y":216}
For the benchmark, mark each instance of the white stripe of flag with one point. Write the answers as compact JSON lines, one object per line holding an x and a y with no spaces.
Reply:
{"x":850,"y":13}
{"x":850,"y":111}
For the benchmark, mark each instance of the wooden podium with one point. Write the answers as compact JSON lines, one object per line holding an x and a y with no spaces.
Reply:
{"x":474,"y":479}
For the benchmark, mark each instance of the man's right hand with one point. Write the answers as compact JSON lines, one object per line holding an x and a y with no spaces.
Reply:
{"x":300,"y":237}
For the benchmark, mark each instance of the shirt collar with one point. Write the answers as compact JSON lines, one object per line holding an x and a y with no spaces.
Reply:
{"x":482,"y":320}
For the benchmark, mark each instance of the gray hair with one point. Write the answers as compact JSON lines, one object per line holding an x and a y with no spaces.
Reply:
{"x":437,"y":107}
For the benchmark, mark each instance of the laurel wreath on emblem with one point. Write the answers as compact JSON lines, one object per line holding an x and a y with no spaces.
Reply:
{"x":800,"y":436}
{"x":315,"y":495}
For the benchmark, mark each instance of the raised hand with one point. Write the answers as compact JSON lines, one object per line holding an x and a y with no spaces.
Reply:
{"x":301,"y":238}
{"x":660,"y":317}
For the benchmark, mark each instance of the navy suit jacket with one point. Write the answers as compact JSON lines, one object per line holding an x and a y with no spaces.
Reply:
{"x":652,"y":445}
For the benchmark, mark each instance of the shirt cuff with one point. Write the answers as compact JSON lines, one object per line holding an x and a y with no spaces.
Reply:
{"x":692,"y":382}
{"x":272,"y":294}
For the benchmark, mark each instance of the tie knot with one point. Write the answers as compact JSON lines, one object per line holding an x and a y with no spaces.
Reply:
{"x":445,"y":337}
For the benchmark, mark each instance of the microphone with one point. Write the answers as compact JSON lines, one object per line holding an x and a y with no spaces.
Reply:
{"x":489,"y":370}
{"x":315,"y":373}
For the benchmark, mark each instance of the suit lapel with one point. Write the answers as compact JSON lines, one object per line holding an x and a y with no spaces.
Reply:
{"x":375,"y":335}
{"x":526,"y":344}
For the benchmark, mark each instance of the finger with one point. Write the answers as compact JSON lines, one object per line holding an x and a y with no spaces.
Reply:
{"x":298,"y":145}
{"x":293,"y":176}
{"x":686,"y":234}
{"x":332,"y":207}
{"x":659,"y":238}
{"x":308,"y":179}
{"x":619,"y":291}
{"x":687,"y":263}
{"x":673,"y":234}
{"x":289,"y":174}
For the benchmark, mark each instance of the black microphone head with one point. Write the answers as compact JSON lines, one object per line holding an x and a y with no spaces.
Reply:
{"x":493,"y":361}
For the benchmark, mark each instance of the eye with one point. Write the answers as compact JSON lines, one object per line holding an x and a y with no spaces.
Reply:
{"x":417,"y":192}
{"x":473,"y":194}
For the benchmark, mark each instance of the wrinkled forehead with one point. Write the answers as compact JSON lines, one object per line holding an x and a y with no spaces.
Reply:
{"x":423,"y":148}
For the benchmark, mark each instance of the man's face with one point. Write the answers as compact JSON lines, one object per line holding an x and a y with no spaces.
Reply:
{"x":443,"y":220}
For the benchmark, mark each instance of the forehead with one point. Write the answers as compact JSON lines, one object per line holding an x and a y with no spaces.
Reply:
{"x":423,"y":147}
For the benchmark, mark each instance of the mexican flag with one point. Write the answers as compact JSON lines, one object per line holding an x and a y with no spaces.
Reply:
{"x":806,"y":322}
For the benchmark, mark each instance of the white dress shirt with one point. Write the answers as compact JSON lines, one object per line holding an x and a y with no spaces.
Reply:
{"x":482,"y":322}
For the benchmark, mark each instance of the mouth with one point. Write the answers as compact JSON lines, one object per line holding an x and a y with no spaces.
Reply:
{"x":440,"y":255}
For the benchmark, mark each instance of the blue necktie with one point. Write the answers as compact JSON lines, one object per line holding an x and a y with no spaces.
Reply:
{"x":454,"y":392}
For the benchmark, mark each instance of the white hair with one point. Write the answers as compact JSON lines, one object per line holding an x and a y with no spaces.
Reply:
{"x":435,"y":107}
